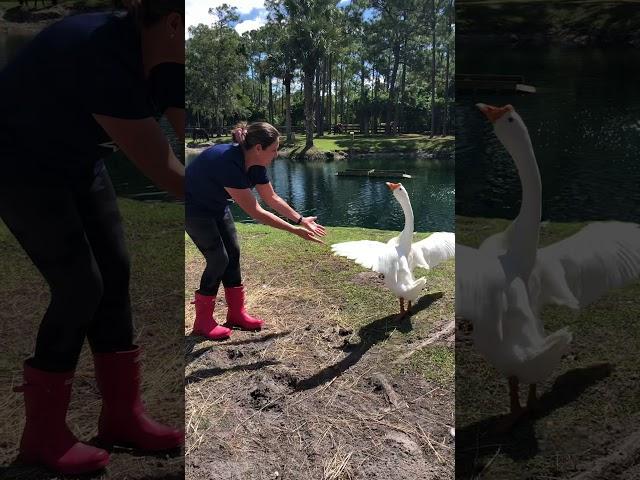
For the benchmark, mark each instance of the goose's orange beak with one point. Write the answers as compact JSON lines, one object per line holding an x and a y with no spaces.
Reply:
{"x":392,"y":186}
{"x":493,"y":113}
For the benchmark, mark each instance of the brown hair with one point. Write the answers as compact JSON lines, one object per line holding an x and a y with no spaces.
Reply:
{"x":262,"y":133}
{"x":148,"y":12}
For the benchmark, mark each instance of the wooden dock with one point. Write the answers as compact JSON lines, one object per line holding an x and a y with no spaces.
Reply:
{"x":372,"y":172}
{"x":493,"y":83}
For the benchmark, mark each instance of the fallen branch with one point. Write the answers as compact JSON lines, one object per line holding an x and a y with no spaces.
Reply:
{"x":379,"y":380}
{"x":447,"y":330}
{"x":625,"y":456}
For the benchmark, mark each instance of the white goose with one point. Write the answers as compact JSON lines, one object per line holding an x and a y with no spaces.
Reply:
{"x":397,"y":258}
{"x":502,"y":286}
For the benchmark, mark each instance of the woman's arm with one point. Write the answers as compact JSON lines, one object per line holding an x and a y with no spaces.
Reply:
{"x":146,"y":145}
{"x":271,"y":198}
{"x":245,"y":199}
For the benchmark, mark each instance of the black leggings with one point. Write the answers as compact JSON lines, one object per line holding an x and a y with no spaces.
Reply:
{"x":72,"y":231}
{"x":218,"y":242}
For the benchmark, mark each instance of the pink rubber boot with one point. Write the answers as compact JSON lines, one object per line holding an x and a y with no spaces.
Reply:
{"x":205,"y":324}
{"x":46,"y":439}
{"x":237,"y":316}
{"x":123,"y":419}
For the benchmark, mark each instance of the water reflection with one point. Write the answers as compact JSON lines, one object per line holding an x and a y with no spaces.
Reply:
{"x":315,"y":189}
{"x":584,"y":123}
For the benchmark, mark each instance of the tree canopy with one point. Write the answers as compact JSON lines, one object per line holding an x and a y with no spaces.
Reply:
{"x":318,"y":66}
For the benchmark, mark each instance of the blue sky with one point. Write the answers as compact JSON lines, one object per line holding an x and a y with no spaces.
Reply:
{"x":252,"y":12}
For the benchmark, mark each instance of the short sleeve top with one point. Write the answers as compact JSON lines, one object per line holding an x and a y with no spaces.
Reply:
{"x":207,"y":175}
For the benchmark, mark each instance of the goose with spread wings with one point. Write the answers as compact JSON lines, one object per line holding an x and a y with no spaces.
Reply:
{"x":502,"y":286}
{"x":397,"y":258}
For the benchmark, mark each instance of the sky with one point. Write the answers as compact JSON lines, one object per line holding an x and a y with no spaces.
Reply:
{"x":252,"y":13}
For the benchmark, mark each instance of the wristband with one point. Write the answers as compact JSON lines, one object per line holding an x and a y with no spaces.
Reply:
{"x":299,"y":221}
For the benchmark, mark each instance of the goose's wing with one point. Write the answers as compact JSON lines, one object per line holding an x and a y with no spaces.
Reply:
{"x":480,"y":295}
{"x":377,"y":256}
{"x":434,"y":249}
{"x":498,"y":242}
{"x":579,"y":269}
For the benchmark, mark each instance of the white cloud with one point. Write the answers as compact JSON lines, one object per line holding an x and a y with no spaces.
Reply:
{"x":254,"y":24}
{"x":197,"y":11}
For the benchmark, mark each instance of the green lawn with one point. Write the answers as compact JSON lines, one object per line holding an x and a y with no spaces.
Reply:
{"x":361,"y":144}
{"x":379,"y":143}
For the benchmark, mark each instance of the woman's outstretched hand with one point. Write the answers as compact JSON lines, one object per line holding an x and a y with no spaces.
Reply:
{"x":310,"y":224}
{"x":305,"y":234}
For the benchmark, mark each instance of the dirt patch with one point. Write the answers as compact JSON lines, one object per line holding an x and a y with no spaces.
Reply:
{"x":369,"y":278}
{"x":302,"y":399}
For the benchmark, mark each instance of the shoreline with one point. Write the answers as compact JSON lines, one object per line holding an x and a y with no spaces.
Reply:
{"x":33,"y":21}
{"x":440,"y":155}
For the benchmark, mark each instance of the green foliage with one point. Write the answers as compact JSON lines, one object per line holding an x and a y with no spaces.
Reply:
{"x":372,"y":58}
{"x":215,"y":63}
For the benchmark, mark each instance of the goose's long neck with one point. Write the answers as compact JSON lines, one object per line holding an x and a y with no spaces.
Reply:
{"x":407,"y":233}
{"x":531,"y":207}
{"x":524,"y":245}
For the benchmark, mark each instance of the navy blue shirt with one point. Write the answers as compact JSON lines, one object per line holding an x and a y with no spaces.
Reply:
{"x":210,"y":172}
{"x":82,"y":65}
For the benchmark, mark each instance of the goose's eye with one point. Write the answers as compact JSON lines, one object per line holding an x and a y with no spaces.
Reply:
{"x":510,"y":119}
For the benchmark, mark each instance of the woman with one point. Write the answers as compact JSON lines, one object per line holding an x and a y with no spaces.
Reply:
{"x":90,"y":84}
{"x":220,"y":173}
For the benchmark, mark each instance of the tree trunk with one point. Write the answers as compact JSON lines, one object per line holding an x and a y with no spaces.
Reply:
{"x":446,"y":95}
{"x":342,"y":94}
{"x":270,"y":100}
{"x":335,"y":85}
{"x":287,"y":87}
{"x":215,"y":113}
{"x":376,"y":87}
{"x":321,"y":74}
{"x":433,"y":68}
{"x":392,"y":91}
{"x":309,"y":72}
{"x":399,"y":109}
{"x":317,"y":100}
{"x":363,"y":112}
{"x":329,"y":93}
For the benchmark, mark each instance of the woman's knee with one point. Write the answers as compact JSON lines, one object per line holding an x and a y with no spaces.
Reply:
{"x":80,"y":288}
{"x":217,"y":262}
{"x":116,"y":273}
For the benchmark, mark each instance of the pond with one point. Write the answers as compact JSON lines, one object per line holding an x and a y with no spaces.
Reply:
{"x":313,"y":188}
{"x":584,"y":124}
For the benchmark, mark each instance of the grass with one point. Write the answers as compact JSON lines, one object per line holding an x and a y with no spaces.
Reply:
{"x":154,"y":234}
{"x":587,"y":406}
{"x":370,"y":144}
{"x":273,"y":257}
